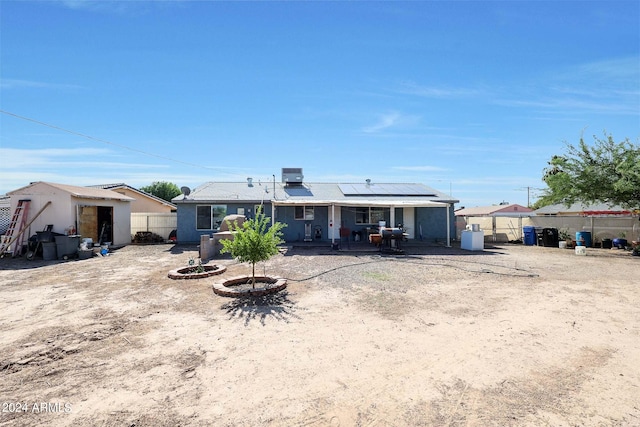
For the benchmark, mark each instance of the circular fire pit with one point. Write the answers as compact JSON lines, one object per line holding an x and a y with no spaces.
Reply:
{"x":191,"y":272}
{"x":241,"y":286}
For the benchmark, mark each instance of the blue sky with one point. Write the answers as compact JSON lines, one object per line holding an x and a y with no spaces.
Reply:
{"x":468,"y":97}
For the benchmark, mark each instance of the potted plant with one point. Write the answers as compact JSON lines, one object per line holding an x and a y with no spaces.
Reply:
{"x":620,"y":242}
{"x":564,"y":238}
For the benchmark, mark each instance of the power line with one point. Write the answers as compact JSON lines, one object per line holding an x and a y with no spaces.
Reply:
{"x":529,"y":191}
{"x":104,"y":141}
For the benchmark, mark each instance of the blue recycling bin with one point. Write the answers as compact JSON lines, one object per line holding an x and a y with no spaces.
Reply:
{"x":529,"y":233}
{"x":583,"y":238}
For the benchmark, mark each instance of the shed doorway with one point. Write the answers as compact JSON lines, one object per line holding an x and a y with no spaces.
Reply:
{"x":96,"y":223}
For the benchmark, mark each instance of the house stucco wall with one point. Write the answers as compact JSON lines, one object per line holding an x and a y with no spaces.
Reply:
{"x":433,"y":222}
{"x":186,"y":218}
{"x":294,"y":232}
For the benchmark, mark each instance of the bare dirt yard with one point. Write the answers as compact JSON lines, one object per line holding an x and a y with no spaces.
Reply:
{"x":510,"y":336}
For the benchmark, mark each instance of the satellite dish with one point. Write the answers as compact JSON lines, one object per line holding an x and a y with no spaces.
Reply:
{"x":185,"y":190}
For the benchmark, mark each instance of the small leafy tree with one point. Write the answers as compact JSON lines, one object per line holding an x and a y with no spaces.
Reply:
{"x":605,"y":172}
{"x":162,"y":189}
{"x":254,"y":241}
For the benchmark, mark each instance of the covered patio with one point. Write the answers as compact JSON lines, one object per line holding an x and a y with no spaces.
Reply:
{"x":345,"y":219}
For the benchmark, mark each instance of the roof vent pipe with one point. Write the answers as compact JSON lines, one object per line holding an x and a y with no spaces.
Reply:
{"x":368,"y":181}
{"x":250,"y":182}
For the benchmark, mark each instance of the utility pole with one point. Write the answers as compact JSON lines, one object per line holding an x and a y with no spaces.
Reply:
{"x":529,"y":191}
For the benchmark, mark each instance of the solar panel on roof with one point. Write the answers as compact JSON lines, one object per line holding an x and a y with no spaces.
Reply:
{"x":385,"y":190}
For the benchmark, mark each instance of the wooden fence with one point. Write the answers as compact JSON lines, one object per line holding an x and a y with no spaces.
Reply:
{"x":159,"y":223}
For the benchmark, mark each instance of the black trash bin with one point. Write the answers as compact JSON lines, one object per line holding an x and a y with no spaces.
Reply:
{"x":549,"y":237}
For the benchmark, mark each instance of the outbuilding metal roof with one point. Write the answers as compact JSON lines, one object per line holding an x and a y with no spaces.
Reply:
{"x":81,"y":192}
{"x":114,"y":187}
{"x":496,"y":210}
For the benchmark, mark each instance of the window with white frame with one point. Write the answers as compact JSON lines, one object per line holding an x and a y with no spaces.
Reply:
{"x":304,"y":212}
{"x":209,"y":217}
{"x":371,"y":215}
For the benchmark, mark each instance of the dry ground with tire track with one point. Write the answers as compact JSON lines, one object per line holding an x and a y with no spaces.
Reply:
{"x":511,"y":336}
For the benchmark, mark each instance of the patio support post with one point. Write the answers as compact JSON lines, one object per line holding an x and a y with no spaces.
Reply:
{"x":448,"y":226}
{"x":494,"y":230}
{"x":392,"y":216}
{"x":333,"y":221}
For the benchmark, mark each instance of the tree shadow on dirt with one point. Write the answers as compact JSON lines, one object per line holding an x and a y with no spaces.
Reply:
{"x":269,"y":307}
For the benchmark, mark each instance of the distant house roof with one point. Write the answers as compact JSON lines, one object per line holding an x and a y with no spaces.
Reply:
{"x":135,"y":190}
{"x":583,"y":209}
{"x":497,"y":210}
{"x":81,"y":192}
{"x":317,"y":193}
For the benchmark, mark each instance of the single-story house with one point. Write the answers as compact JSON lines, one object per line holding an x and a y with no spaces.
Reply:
{"x":317,"y":211}
{"x":102,"y":215}
{"x":143,"y":202}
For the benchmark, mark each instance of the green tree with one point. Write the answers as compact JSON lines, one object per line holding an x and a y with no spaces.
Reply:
{"x":162,"y":189}
{"x":605,"y":172}
{"x":254,"y":241}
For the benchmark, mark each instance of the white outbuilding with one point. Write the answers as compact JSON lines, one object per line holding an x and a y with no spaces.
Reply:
{"x":95,"y":213}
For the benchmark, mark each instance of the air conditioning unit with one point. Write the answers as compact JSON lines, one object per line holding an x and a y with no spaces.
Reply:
{"x":292,"y":176}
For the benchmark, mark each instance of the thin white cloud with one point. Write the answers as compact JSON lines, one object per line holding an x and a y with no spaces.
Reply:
{"x":424,"y":168}
{"x":384,"y":122}
{"x":118,"y":7}
{"x":89,"y":166}
{"x":97,"y":5}
{"x":619,"y":69}
{"x":64,"y":158}
{"x":413,"y":88}
{"x":570,"y":105}
{"x":9,"y":84}
{"x":605,"y":87}
{"x":391,"y":120}
{"x":52,"y":152}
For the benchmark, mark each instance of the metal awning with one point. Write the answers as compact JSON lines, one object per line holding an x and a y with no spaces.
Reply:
{"x":382,"y":203}
{"x":368,"y":203}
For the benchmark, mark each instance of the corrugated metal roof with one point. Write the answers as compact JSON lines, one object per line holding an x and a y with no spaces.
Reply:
{"x":496,"y":210}
{"x":228,"y":191}
{"x":82,"y":192}
{"x":360,"y":189}
{"x":316,"y":193}
{"x":579,"y":208}
{"x":135,"y":190}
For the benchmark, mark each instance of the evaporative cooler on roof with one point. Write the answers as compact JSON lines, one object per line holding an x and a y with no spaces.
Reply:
{"x":292,"y":176}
